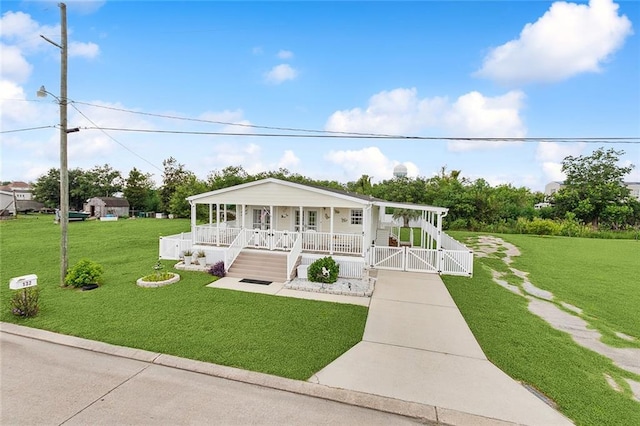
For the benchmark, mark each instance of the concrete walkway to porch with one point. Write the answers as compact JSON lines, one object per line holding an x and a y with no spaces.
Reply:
{"x":417,"y":347}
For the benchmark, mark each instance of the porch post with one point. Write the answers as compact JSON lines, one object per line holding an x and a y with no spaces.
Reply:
{"x":271,"y":238}
{"x":366,"y":219}
{"x":439,"y":243}
{"x":331,"y":232}
{"x":301,"y":219}
{"x":193,"y":222}
{"x":243,"y":213}
{"x":210,"y":214}
{"x":218,"y":224}
{"x":224,"y":207}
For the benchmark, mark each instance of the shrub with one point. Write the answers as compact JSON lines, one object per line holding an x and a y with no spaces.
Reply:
{"x":24,"y":303}
{"x":324,"y":270}
{"x":217,"y":269}
{"x":543,"y":227}
{"x":84,"y":272}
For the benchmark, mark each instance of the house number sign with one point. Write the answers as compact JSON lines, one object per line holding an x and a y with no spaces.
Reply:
{"x":24,"y":281}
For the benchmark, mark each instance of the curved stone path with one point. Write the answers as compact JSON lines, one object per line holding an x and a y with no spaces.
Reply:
{"x":547,"y":306}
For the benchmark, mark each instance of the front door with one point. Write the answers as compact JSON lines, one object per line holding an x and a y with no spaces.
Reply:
{"x":310,"y":221}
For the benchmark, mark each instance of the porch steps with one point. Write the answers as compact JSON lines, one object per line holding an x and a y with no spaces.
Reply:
{"x":260,"y":265}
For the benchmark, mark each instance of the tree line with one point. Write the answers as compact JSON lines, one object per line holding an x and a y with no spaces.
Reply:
{"x":593,"y":194}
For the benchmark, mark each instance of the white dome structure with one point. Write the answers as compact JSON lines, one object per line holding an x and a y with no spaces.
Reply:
{"x":400,"y":171}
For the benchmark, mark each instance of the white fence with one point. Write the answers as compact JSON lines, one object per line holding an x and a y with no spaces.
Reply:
{"x":211,"y":234}
{"x":171,"y":247}
{"x":332,"y":243}
{"x":349,"y":267}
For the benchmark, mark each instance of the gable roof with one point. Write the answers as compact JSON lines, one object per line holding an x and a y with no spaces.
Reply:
{"x":352,"y":197}
{"x":114,"y":201}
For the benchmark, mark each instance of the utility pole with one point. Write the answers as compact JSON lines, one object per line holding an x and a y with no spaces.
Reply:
{"x":64,"y":172}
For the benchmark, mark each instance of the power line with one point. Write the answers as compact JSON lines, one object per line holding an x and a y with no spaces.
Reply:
{"x":606,"y":140}
{"x":115,"y":140}
{"x":226,"y":123}
{"x":27,"y":129}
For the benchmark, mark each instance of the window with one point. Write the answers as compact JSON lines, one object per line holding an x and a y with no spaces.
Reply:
{"x":261,"y":218}
{"x":356,"y":217}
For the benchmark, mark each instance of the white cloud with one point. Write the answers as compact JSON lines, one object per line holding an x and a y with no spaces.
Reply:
{"x":257,"y":50}
{"x":402,"y":112}
{"x":367,"y":161}
{"x":15,"y":111}
{"x":568,"y":39}
{"x":238,"y":123}
{"x":395,"y":112}
{"x":86,"y":50}
{"x":288,"y":160}
{"x":281,"y":73}
{"x":285,"y":54}
{"x":478,"y":116}
{"x":551,"y":154}
{"x":13,"y":64}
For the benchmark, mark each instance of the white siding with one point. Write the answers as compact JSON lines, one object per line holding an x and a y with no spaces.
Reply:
{"x":271,"y":193}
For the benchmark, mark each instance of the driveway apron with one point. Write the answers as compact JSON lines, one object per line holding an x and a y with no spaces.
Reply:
{"x":417,"y":347}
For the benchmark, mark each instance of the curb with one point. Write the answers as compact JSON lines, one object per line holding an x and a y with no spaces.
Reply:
{"x":427,"y":414}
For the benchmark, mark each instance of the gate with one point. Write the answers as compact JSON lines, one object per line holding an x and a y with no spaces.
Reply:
{"x":404,"y":259}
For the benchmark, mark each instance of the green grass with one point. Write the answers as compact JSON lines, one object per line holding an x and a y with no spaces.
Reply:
{"x":282,"y":336}
{"x":600,"y":276}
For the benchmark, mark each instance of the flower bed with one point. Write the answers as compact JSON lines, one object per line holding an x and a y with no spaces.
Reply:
{"x":174,"y":279}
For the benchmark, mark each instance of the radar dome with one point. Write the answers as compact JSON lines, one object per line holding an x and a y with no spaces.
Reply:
{"x":400,"y":171}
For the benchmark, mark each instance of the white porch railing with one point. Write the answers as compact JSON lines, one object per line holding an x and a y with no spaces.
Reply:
{"x":326,"y":242}
{"x":211,"y":234}
{"x":234,"y":250}
{"x":292,"y":256}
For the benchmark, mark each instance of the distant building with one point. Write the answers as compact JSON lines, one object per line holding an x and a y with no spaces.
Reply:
{"x":554,"y":186}
{"x":400,"y":171}
{"x":107,"y":206}
{"x":17,"y":197}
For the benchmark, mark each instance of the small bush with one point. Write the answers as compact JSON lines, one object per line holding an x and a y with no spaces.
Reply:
{"x":217,"y":269}
{"x":84,"y":272}
{"x":323,"y":270}
{"x":543,"y":227}
{"x":24,"y":303}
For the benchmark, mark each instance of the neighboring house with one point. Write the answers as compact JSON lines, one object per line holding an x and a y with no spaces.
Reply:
{"x":17,"y":197}
{"x":304,"y":223}
{"x":552,"y":187}
{"x":107,"y":206}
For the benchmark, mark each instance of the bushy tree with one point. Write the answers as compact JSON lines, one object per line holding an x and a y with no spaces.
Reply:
{"x":594,"y":185}
{"x":174,"y":175}
{"x":138,"y":189}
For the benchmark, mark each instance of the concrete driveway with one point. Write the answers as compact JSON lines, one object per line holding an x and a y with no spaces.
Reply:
{"x":417,"y":347}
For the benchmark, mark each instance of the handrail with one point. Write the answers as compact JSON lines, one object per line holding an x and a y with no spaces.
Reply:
{"x":292,"y":256}
{"x":234,"y":250}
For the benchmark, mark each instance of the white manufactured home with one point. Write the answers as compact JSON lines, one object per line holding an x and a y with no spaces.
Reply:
{"x":288,"y":224}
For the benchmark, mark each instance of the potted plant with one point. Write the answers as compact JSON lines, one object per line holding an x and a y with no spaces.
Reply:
{"x":186,"y":255}
{"x":202,"y":257}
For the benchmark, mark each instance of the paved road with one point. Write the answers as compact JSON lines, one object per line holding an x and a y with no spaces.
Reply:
{"x":44,"y":383}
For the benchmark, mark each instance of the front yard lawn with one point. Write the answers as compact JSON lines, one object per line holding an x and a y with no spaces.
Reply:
{"x":599,"y":276}
{"x":282,"y":336}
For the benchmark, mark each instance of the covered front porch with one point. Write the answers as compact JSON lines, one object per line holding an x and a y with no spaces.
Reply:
{"x":305,"y":222}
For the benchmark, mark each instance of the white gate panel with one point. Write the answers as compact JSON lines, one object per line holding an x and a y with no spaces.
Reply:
{"x":422,"y":260}
{"x":388,"y":258}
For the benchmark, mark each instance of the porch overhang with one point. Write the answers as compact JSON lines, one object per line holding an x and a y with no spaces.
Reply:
{"x":424,"y":208}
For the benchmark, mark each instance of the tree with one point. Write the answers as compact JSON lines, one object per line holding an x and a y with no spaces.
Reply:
{"x":178,"y":205}
{"x":138,"y":189}
{"x":594,"y":184}
{"x":46,"y":189}
{"x":173,"y":176}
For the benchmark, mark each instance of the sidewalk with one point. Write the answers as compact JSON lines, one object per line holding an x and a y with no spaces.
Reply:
{"x":417,"y":347}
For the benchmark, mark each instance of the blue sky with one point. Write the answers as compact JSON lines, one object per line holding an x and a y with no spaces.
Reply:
{"x":436,"y":69}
